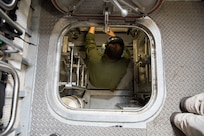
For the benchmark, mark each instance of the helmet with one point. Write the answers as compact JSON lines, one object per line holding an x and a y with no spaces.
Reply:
{"x":114,"y":47}
{"x":115,"y":39}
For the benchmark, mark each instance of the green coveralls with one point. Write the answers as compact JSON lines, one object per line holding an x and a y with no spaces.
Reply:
{"x":103,"y":72}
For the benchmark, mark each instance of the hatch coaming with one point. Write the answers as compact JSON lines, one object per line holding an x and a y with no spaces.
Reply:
{"x":107,"y":117}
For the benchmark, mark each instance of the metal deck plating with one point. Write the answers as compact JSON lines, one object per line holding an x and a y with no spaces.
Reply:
{"x":181,"y":25}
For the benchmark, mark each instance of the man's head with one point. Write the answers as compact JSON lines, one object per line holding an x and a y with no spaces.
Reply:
{"x":114,"y":48}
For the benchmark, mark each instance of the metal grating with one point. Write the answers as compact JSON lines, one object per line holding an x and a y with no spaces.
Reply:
{"x":182,"y":29}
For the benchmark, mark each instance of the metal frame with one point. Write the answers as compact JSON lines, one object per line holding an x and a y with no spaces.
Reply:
{"x":9,"y":69}
{"x":79,"y":83}
{"x":106,"y":117}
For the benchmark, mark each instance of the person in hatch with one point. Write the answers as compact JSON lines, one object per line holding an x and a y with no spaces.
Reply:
{"x":106,"y":69}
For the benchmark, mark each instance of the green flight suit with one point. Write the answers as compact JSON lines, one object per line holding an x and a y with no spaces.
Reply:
{"x":103,"y":72}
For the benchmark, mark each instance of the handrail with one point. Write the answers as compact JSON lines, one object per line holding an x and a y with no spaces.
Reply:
{"x":9,"y":69}
{"x":8,"y":6}
{"x":10,"y":43}
{"x":11,"y":22}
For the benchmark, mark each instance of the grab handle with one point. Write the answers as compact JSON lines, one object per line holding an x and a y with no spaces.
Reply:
{"x":9,"y":69}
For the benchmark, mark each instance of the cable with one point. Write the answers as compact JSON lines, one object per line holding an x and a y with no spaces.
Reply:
{"x":18,"y":36}
{"x":26,"y":41}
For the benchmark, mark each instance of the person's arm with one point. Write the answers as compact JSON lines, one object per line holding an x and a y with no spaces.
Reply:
{"x":90,"y":40}
{"x":92,"y":29}
{"x":111,"y":33}
{"x":90,"y":45}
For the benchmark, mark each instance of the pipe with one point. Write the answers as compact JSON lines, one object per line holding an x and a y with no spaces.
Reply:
{"x":136,"y":9}
{"x":146,"y":55}
{"x":82,"y":76}
{"x":9,"y":42}
{"x":10,"y":22}
{"x":71,"y":45}
{"x":8,"y":6}
{"x":78,"y":71}
{"x":124,"y":12}
{"x":9,"y":69}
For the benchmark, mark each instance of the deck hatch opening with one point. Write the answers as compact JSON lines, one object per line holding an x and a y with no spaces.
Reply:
{"x":134,"y":90}
{"x":74,"y":100}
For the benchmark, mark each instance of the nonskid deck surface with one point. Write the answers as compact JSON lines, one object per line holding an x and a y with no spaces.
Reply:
{"x":180,"y":52}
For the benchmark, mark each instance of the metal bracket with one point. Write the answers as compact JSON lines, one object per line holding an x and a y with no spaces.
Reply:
{"x":106,"y":19}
